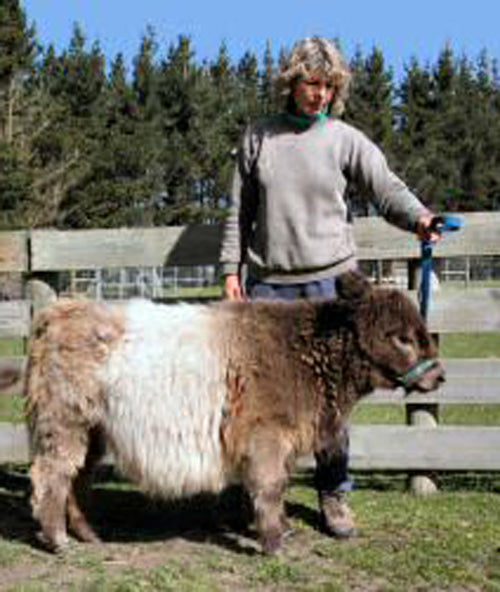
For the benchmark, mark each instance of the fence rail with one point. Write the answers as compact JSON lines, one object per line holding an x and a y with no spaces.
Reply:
{"x":423,"y":445}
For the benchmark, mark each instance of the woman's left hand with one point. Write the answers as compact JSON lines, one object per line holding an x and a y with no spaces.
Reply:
{"x":426,"y":228}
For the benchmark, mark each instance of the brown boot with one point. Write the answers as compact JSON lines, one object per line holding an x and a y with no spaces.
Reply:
{"x":337,"y":519}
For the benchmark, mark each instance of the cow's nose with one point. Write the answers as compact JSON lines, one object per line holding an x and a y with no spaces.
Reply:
{"x":441,"y":373}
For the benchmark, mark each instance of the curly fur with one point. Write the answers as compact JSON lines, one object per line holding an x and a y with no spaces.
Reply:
{"x":190,"y":397}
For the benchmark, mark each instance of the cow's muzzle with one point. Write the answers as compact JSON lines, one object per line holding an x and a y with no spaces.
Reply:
{"x":425,"y":375}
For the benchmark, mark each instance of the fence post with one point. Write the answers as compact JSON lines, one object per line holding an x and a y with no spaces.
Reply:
{"x":422,"y":415}
{"x":42,"y":289}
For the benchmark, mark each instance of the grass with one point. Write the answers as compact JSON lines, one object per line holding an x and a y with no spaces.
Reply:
{"x":204,"y":292}
{"x":443,"y":542}
{"x":11,"y":408}
{"x":11,"y":347}
{"x":470,"y":345}
{"x":478,"y":415}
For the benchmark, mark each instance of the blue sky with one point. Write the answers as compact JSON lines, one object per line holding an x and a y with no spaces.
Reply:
{"x":400,"y":28}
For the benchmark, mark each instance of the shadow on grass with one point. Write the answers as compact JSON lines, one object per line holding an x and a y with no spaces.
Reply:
{"x":121,"y":514}
{"x":16,"y":522}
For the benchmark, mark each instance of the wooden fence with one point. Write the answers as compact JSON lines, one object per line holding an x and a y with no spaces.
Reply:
{"x":420,"y":446}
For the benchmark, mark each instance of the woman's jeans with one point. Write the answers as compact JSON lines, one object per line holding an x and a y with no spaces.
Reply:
{"x":331,"y":469}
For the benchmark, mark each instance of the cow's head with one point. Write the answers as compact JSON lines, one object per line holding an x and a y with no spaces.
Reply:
{"x":392,"y":335}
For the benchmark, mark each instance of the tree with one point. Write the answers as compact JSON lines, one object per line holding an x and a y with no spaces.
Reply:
{"x":370,"y":108}
{"x":82,"y":145}
{"x":123,"y":166}
{"x":370,"y":105}
{"x":73,"y":86}
{"x":247,"y":103}
{"x":415,"y":115}
{"x":145,"y":75}
{"x":17,"y":53}
{"x":84,"y":76}
{"x":269,"y":100}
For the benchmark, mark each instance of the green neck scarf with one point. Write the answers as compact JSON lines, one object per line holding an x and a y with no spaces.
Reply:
{"x":305,"y":121}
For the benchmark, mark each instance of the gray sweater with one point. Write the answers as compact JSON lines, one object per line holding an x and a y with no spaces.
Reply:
{"x":288,"y":219}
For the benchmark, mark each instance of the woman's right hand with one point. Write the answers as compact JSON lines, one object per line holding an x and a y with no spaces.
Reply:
{"x":232,"y":288}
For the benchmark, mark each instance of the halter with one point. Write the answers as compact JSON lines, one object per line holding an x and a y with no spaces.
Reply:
{"x":416,"y":371}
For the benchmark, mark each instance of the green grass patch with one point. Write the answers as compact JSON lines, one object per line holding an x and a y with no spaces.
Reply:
{"x":11,"y":347}
{"x":171,"y":577}
{"x":10,"y":553}
{"x":470,"y":345}
{"x":12,"y":408}
{"x":485,"y":415}
{"x":378,"y":414}
{"x":443,"y":542}
{"x":194,"y":292}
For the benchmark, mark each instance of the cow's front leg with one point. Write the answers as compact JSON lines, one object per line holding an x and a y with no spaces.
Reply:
{"x":266,"y":477}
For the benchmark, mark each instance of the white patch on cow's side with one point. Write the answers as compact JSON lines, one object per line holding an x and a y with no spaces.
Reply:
{"x":165,"y":396}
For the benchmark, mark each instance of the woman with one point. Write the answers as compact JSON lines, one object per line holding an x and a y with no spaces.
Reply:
{"x":289,"y":220}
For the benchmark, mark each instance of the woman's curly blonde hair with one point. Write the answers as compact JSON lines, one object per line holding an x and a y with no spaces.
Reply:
{"x":316,"y":56}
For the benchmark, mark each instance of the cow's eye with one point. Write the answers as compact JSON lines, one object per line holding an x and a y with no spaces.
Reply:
{"x":402,"y":338}
{"x":403,"y":342}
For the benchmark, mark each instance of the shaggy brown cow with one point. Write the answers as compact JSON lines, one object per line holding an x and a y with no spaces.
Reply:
{"x":192,"y":397}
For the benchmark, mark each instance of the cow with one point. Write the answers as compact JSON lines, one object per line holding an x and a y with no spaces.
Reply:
{"x":192,"y":397}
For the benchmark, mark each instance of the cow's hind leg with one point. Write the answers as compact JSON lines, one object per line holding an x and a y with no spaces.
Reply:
{"x":57,"y":460}
{"x":50,"y":483}
{"x":79,"y":492}
{"x":266,"y":478}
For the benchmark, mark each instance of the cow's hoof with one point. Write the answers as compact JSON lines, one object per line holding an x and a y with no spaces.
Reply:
{"x":92,"y":539}
{"x":58,"y":544}
{"x":271,"y":544}
{"x":288,"y":531}
{"x":87,"y":535}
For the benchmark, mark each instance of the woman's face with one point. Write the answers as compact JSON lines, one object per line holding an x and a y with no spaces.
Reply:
{"x":312,"y":95}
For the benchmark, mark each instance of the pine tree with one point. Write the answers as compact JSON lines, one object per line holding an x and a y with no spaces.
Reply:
{"x":221,"y":69}
{"x":370,"y":108}
{"x":415,"y":115}
{"x":84,"y":76}
{"x":477,"y":121}
{"x":269,"y":101}
{"x":247,"y":104}
{"x":145,"y":75}
{"x":177,"y":96}
{"x":18,"y":51}
{"x":74,"y":83}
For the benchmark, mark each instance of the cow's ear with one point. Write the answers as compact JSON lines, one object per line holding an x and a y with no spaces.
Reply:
{"x":353,"y":285}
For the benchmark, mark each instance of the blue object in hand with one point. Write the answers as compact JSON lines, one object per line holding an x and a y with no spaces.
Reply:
{"x":439,"y":224}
